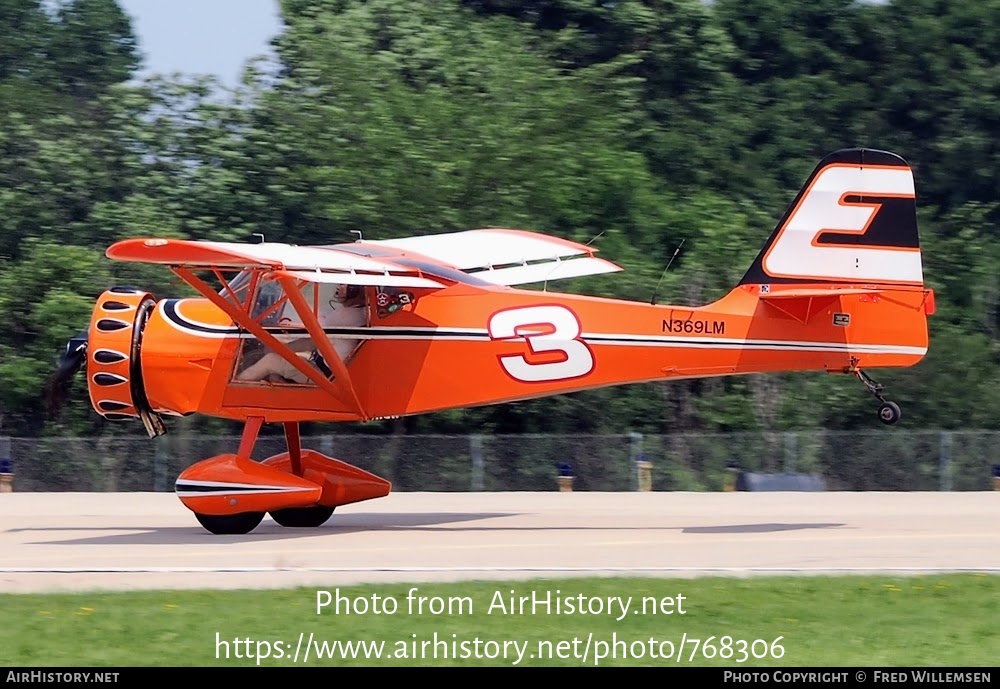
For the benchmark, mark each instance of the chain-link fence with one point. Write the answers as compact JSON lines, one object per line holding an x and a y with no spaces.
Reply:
{"x":876,"y":460}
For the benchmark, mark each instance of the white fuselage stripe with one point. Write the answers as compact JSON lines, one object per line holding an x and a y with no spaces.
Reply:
{"x":183,"y":488}
{"x":592,"y":339}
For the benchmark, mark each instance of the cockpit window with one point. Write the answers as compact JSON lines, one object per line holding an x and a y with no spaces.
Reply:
{"x":269,"y":293}
{"x":339,"y":309}
{"x":237,"y":290}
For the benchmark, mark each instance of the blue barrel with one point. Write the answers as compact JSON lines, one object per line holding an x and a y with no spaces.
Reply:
{"x":6,"y":467}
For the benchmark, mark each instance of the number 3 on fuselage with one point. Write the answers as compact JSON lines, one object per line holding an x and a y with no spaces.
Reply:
{"x":552,"y":333}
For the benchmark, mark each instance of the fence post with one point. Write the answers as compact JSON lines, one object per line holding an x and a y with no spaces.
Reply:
{"x":791,"y":451}
{"x":160,"y":462}
{"x":635,"y":457}
{"x":109,"y":462}
{"x":478,"y":465}
{"x":945,"y":466}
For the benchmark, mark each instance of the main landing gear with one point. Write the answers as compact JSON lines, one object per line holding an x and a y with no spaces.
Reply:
{"x":300,"y":488}
{"x":888,"y":412}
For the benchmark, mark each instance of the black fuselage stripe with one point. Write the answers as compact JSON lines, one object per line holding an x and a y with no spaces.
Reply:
{"x":383,"y":333}
{"x":170,"y":311}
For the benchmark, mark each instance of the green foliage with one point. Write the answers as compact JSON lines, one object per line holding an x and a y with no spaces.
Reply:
{"x":92,"y":46}
{"x":420,"y":118}
{"x":643,"y":127}
{"x":929,"y":621}
{"x":46,"y":299}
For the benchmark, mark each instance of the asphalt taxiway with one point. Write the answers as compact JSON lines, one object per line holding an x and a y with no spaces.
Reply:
{"x":92,"y":541}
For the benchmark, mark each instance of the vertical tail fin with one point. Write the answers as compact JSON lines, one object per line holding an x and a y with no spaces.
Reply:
{"x":854,"y":221}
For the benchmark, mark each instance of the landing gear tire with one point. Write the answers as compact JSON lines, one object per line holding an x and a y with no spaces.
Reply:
{"x":302,"y":516}
{"x":888,"y":413}
{"x":229,"y":524}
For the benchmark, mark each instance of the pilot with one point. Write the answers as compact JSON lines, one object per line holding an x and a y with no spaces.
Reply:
{"x":345,"y":308}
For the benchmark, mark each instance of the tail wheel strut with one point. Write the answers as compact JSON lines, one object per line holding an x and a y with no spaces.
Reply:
{"x":888,"y":412}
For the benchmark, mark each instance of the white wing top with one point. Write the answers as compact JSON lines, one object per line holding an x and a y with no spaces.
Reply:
{"x":315,"y":264}
{"x":505,"y":257}
{"x":497,"y":256}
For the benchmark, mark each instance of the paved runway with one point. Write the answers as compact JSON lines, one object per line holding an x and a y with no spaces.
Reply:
{"x":81,"y":541}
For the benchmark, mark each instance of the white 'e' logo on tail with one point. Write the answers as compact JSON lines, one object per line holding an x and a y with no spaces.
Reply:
{"x":796,"y":251}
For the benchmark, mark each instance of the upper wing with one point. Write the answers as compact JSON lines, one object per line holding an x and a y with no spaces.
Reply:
{"x":496,"y":256}
{"x":505,"y":257}
{"x":316,"y":264}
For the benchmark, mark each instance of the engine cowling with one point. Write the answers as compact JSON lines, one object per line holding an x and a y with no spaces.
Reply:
{"x":114,"y":366}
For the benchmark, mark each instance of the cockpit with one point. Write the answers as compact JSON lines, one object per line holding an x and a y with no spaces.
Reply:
{"x":340,"y":310}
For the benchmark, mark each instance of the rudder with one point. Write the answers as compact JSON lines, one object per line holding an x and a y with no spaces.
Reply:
{"x":854,"y":221}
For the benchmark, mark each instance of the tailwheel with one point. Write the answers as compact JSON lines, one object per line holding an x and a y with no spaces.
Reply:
{"x":302,"y":516}
{"x":888,"y":413}
{"x":230,"y":524}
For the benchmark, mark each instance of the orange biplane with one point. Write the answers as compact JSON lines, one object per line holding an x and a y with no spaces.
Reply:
{"x":379,"y":329}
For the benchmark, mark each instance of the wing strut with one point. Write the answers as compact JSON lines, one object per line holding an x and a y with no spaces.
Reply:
{"x":343,"y":378}
{"x":243,"y":319}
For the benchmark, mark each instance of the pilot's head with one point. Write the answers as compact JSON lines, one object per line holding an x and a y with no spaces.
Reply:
{"x":346,"y":293}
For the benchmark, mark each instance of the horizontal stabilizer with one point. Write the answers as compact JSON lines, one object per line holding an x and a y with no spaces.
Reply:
{"x":804,"y":303}
{"x":811,"y":293}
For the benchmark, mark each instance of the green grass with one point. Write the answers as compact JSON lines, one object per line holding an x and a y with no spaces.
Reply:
{"x":931,"y":620}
